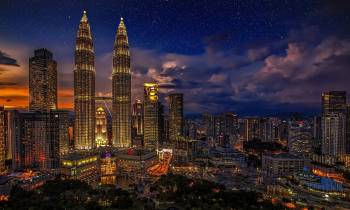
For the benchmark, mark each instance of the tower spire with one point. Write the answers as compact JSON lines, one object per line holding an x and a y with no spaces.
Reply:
{"x":121,"y":89}
{"x":84,"y":87}
{"x":84,"y":17}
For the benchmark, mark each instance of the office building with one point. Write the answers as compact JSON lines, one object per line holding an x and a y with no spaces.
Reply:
{"x":150,"y":121}
{"x":2,"y":140}
{"x":42,"y":81}
{"x":300,"y":138}
{"x":36,"y":141}
{"x":137,"y":117}
{"x":282,"y":164}
{"x":333,"y":134}
{"x":101,"y":127}
{"x":176,"y":121}
{"x":84,"y":88}
{"x":81,"y":166}
{"x":62,"y":118}
{"x":121,"y":89}
{"x":333,"y":101}
{"x":108,"y":167}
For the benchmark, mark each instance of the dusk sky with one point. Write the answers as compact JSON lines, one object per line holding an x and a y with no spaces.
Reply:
{"x":253,"y":57}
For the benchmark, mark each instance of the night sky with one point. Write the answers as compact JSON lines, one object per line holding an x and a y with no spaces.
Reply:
{"x":253,"y":57}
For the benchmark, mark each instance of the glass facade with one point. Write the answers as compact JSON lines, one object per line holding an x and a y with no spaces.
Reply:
{"x":175,"y":116}
{"x":84,"y":88}
{"x":121,"y":89}
{"x":150,"y":121}
{"x":42,"y":81}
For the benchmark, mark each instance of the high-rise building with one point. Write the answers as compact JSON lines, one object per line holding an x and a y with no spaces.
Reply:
{"x":176,"y":121}
{"x":333,"y":101}
{"x":299,"y":138}
{"x":269,"y":131}
{"x":8,"y":133}
{"x":317,"y":134}
{"x":121,"y":89}
{"x":62,"y":117}
{"x":137,"y":117}
{"x":348,"y":128}
{"x":150,"y":122}
{"x":208,"y":121}
{"x":42,"y":81}
{"x":36,"y":140}
{"x":161,"y":126}
{"x":101,"y":127}
{"x":251,"y":128}
{"x":333,"y":134}
{"x":84,"y":88}
{"x":334,"y":131}
{"x":2,"y":140}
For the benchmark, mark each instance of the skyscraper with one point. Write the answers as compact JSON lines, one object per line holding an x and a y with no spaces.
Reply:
{"x":42,"y":81}
{"x":150,"y":122}
{"x":2,"y":140}
{"x":137,"y":116}
{"x":333,"y":101}
{"x":176,"y":121}
{"x":62,"y":117}
{"x":334,"y":123}
{"x":36,"y":140}
{"x":101,"y":127}
{"x":299,"y":138}
{"x":333,"y":134}
{"x":84,"y":88}
{"x":121,"y":89}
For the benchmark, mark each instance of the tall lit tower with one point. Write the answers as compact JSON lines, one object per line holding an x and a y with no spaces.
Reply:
{"x":175,"y":116}
{"x":121,"y":89}
{"x":42,"y":81}
{"x":137,"y":116}
{"x":84,"y":88}
{"x":150,"y":120}
{"x":2,"y":140}
{"x":101,"y":127}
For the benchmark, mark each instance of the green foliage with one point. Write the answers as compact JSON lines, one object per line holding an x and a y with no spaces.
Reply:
{"x":200,"y":194}
{"x":68,"y":194}
{"x":174,"y":191}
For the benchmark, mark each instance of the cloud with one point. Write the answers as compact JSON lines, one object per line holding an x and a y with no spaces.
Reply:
{"x":302,"y":74}
{"x":277,"y":75}
{"x":5,"y":59}
{"x":7,"y":84}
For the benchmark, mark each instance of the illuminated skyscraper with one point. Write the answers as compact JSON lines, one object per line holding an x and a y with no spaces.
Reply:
{"x":150,"y":121}
{"x":175,"y":116}
{"x":299,"y":138}
{"x":137,"y":116}
{"x":333,"y":134}
{"x":84,"y":88}
{"x":36,"y":140}
{"x":121,"y":89}
{"x":62,"y":116}
{"x":42,"y":81}
{"x":2,"y":140}
{"x":101,"y":127}
{"x":333,"y":101}
{"x":334,"y":129}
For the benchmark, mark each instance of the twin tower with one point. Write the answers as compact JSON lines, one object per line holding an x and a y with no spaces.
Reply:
{"x":84,"y":88}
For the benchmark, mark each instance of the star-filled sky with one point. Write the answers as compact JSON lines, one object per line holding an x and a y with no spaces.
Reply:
{"x":254,"y":57}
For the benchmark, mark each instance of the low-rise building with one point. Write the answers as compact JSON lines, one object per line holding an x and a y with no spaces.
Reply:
{"x":108,"y":168}
{"x":81,"y":166}
{"x":283,"y":164}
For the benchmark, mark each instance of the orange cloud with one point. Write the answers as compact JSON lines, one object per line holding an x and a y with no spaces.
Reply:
{"x":17,"y":97}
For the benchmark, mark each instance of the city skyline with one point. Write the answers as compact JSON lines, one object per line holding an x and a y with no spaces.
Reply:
{"x":186,"y":105}
{"x":234,"y":68}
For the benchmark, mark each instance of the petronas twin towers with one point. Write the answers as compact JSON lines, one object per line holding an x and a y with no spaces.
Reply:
{"x":84,"y":89}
